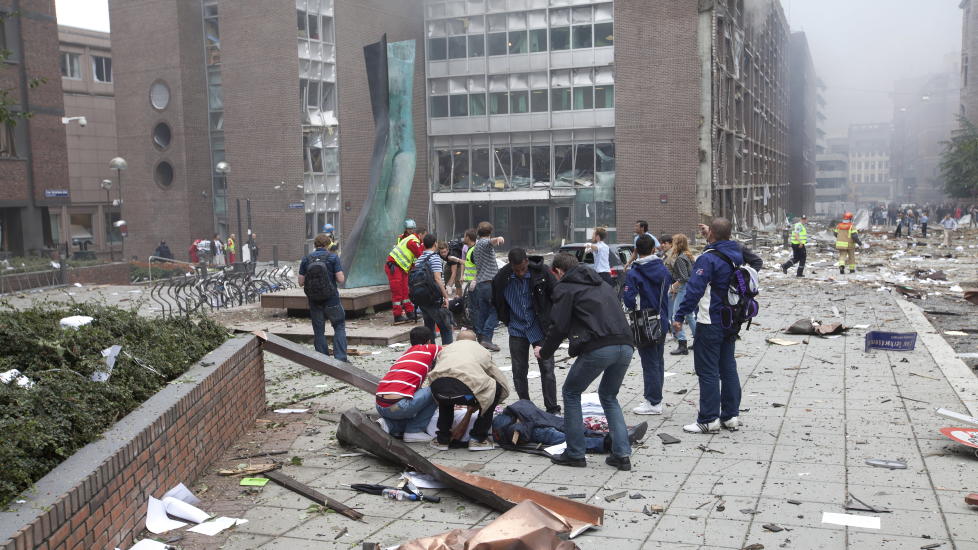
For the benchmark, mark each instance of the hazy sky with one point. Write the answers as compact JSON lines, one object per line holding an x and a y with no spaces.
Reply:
{"x":860,"y":47}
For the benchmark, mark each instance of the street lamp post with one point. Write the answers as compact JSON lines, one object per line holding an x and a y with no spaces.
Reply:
{"x":107,"y":185}
{"x":119,"y":164}
{"x":224,"y":169}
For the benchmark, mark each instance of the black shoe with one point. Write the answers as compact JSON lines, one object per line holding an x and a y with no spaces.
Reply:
{"x":800,"y":274}
{"x":851,"y":271}
{"x":562,"y":460}
{"x":622,"y":462}
{"x":555,"y":410}
{"x":399,"y":319}
{"x":784,"y":268}
{"x":842,"y":270}
{"x":490,"y":346}
{"x":683,"y":349}
{"x":412,"y":315}
{"x":636,"y":433}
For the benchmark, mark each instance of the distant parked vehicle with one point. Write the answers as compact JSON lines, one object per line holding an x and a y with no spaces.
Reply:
{"x":617,"y":258}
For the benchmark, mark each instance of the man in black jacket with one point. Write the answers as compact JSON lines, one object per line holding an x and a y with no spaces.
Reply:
{"x":587,"y":312}
{"x":521,"y":295}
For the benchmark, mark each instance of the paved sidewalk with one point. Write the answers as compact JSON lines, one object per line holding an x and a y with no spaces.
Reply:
{"x":813,"y":413}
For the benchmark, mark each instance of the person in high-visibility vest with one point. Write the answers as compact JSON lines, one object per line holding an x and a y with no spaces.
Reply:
{"x":469,"y":268}
{"x":799,"y":238}
{"x":232,"y":246}
{"x":846,"y":241}
{"x":399,"y":263}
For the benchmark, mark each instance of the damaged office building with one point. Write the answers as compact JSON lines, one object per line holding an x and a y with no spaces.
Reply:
{"x":549,"y":118}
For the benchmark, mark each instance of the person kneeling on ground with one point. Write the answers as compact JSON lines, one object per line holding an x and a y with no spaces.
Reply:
{"x":524,"y":424}
{"x":404,"y":405}
{"x":465,"y":375}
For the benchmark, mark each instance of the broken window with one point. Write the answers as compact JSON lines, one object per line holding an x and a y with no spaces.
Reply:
{"x":497,"y":23}
{"x":477,"y":45}
{"x":498,"y":103}
{"x":539,"y":101}
{"x":564,"y":165}
{"x":439,"y":106}
{"x":437,"y":49}
{"x":443,"y":158}
{"x":456,"y":47}
{"x":71,"y":65}
{"x":560,"y":38}
{"x":328,"y":30}
{"x":502,"y":165}
{"x":519,"y":102}
{"x":559,"y":17}
{"x":521,"y":167}
{"x":518,"y":42}
{"x":313,"y":27}
{"x":329,"y":96}
{"x":481,"y":175}
{"x":584,"y":164}
{"x":8,"y":142}
{"x":102,"y":68}
{"x":541,"y":165}
{"x":458,"y":105}
{"x":498,"y":45}
{"x":460,"y":169}
{"x":604,"y":97}
{"x":300,"y":17}
{"x":560,"y":99}
{"x":604,"y":34}
{"x":582,"y":36}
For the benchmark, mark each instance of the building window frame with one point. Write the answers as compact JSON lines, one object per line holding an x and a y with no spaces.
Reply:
{"x":71,"y":65}
{"x":102,"y":65}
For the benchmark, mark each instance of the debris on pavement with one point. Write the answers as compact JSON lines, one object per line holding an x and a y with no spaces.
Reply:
{"x":812,"y":327}
{"x":527,"y":526}
{"x":850,"y":520}
{"x":615,"y":496}
{"x":953,"y":415}
{"x":668,"y":439}
{"x":254,"y":481}
{"x":782,"y":342}
{"x":964,"y":436}
{"x":864,"y":506}
{"x":249,"y":469}
{"x":215,"y":526}
{"x":890,"y":341}
{"x":773,"y":527}
{"x":393,"y":493}
{"x":971,"y":499}
{"x":883,"y":463}
{"x":313,"y":495}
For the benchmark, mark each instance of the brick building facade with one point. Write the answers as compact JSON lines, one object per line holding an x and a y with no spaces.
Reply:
{"x":33,"y":167}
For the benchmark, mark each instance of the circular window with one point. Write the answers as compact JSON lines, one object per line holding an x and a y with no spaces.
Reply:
{"x":159,"y":95}
{"x":162,"y":136}
{"x":163,"y":174}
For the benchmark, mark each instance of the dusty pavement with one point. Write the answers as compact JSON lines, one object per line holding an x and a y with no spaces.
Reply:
{"x":813,"y":413}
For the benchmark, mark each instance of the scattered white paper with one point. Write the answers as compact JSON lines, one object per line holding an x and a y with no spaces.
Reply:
{"x":75,"y":321}
{"x":322,"y":385}
{"x":835,"y":311}
{"x":532,"y":374}
{"x":955,"y":333}
{"x":181,"y":492}
{"x":291,"y":411}
{"x":859,"y":326}
{"x":350,"y":455}
{"x":423,"y":481}
{"x":157,"y":520}
{"x":55,"y":265}
{"x":214,"y":527}
{"x":668,"y":374}
{"x":180,"y":509}
{"x":956,"y":288}
{"x":556,"y":449}
{"x":850,"y":520}
{"x":110,"y":355}
{"x":397,"y":345}
{"x":968,"y":355}
{"x":78,"y":285}
{"x":148,"y":544}
{"x":15,"y":375}
{"x":506,"y":368}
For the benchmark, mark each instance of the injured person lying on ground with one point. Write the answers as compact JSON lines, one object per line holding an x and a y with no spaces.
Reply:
{"x":524,"y":427}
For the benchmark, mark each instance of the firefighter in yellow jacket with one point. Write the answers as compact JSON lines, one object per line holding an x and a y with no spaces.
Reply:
{"x":846,"y":241}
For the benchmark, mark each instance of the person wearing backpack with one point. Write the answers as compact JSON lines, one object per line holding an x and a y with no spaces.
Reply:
{"x":427,"y":290}
{"x":716,"y":330}
{"x":320,"y":274}
{"x":649,"y":280}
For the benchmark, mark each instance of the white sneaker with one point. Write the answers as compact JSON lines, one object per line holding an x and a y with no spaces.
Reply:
{"x":416,"y":437}
{"x":733,"y":424}
{"x":648,"y":408}
{"x":486,"y":445}
{"x":711,"y":428}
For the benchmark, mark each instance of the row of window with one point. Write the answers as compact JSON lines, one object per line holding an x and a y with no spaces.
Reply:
{"x":872,"y":178}
{"x":520,"y":42}
{"x":455,"y":8}
{"x":313,"y":26}
{"x":519,"y":102}
{"x":317,"y":95}
{"x":71,"y":67}
{"x":503,"y":168}
{"x":874,"y":165}
{"x":318,"y":159}
{"x":521,"y":20}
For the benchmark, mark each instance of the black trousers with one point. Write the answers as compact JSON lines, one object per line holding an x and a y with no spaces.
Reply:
{"x":799,"y":254}
{"x":519,"y":350}
{"x":449,"y":392}
{"x":923,"y":228}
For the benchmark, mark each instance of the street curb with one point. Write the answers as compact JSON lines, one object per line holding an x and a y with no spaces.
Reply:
{"x":963,"y":381}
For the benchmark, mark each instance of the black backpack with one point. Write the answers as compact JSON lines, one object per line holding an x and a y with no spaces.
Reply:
{"x":740,"y":302}
{"x":422,"y":288}
{"x":318,"y":284}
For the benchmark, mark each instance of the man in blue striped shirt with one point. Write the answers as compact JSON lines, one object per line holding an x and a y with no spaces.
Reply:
{"x":521,"y":296}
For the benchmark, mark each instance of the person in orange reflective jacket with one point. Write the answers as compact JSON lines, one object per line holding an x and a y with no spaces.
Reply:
{"x":846,"y":241}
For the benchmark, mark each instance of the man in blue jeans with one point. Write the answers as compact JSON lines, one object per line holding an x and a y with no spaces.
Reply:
{"x":486,"y":267}
{"x":402,"y":402}
{"x":524,"y":424}
{"x":649,"y":280}
{"x":321,"y":310}
{"x":587,"y":312}
{"x":713,"y":349}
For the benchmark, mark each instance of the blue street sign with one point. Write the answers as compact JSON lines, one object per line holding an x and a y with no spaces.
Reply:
{"x":55,"y":193}
{"x":298,"y":205}
{"x":893,"y":341}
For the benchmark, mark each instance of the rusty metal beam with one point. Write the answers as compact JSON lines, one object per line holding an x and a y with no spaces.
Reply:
{"x":359,"y":430}
{"x":313,"y":495}
{"x":318,"y":362}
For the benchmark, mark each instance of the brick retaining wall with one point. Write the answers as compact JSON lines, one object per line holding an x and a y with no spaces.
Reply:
{"x":97,"y":498}
{"x":104,"y":274}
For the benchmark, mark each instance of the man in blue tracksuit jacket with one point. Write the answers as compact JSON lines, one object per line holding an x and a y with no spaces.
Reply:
{"x":649,"y":280}
{"x":713,"y":347}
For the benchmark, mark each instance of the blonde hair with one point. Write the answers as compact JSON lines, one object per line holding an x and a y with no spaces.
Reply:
{"x":322,"y":241}
{"x":441,"y":245}
{"x":680,"y":245}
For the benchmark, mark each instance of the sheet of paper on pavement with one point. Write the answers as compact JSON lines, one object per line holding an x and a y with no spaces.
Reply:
{"x":851,"y":520}
{"x":148,"y":544}
{"x":156,"y":519}
{"x":291,"y":411}
{"x":183,"y":510}
{"x":215,"y":526}
{"x":556,"y":449}
{"x":181,"y":492}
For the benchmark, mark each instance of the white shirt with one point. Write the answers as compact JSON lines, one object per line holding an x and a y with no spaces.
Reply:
{"x":602,"y":263}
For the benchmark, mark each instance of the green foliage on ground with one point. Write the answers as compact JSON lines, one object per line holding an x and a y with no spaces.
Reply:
{"x":43,"y":425}
{"x":959,"y":162}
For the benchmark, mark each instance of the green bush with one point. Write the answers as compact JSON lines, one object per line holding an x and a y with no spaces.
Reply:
{"x":65,"y":409}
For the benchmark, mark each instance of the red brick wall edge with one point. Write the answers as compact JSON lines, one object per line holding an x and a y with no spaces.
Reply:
{"x":97,"y":498}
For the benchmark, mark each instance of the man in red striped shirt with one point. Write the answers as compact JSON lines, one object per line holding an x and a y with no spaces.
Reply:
{"x":404,"y":405}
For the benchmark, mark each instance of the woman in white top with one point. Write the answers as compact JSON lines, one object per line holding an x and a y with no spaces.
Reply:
{"x":600,"y":250}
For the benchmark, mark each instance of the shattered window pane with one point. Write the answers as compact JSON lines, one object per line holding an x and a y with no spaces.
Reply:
{"x":477,"y":45}
{"x":518,"y":42}
{"x":541,"y":164}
